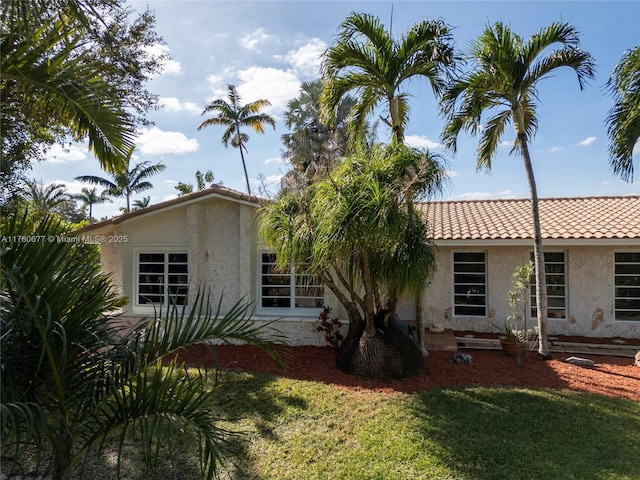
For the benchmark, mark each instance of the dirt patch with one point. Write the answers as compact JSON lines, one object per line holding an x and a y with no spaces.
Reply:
{"x":611,"y":376}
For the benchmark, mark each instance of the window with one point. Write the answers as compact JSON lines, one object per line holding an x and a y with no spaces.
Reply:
{"x":290,"y":289}
{"x":555,"y":269}
{"x":470,"y":284}
{"x":162,"y":278}
{"x":627,"y":287}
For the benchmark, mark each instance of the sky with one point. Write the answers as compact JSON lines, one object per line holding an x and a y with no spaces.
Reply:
{"x":267,"y":48}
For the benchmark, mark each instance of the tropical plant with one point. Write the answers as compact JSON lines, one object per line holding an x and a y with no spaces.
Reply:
{"x":234,"y":116}
{"x":201,"y":183}
{"x":144,"y":203}
{"x":623,"y":122}
{"x":44,"y":199}
{"x":47,"y":74}
{"x":366,"y":60}
{"x":131,"y":180}
{"x":69,"y":386}
{"x":90,"y":197}
{"x":312,"y":146}
{"x":502,"y":84}
{"x":72,"y":69}
{"x":359,"y":232}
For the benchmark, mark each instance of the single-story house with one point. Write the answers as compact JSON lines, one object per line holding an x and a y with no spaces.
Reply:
{"x":209,"y":238}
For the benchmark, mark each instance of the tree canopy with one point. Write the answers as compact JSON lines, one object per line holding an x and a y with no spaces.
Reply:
{"x":73,"y":70}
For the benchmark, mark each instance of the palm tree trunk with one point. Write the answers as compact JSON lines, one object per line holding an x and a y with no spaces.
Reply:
{"x":538,"y":253}
{"x":244,"y":166}
{"x":62,"y":457}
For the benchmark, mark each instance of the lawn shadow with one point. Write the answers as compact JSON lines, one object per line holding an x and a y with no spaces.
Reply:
{"x":488,"y":433}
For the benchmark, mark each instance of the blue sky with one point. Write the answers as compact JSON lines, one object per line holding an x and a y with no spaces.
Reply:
{"x":267,"y":48}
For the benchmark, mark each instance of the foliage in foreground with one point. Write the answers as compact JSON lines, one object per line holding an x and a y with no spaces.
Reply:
{"x":68,"y":385}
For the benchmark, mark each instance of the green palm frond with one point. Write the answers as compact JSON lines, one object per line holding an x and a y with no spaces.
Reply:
{"x":46,"y":66}
{"x":623,"y":120}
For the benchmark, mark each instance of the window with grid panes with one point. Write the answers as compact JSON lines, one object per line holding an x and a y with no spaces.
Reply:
{"x":627,"y":287}
{"x":291,"y":289}
{"x":556,"y":277}
{"x":470,"y":284}
{"x":162,"y":278}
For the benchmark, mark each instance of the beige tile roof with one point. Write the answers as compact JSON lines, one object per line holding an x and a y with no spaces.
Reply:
{"x":560,"y":218}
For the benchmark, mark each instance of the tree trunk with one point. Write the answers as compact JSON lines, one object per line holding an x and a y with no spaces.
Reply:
{"x":244,"y":167}
{"x":383,"y":353}
{"x":62,"y":457}
{"x":420,"y":325}
{"x":538,"y":253}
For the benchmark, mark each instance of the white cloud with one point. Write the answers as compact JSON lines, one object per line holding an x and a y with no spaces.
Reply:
{"x":60,"y":154}
{"x":506,"y":143}
{"x":475,"y":196}
{"x":168,"y":65}
{"x":555,"y":149}
{"x":166,"y":198}
{"x":72,"y":187}
{"x":306,"y":59}
{"x":252,"y":40}
{"x":451,"y":173}
{"x":419,"y":141}
{"x":173,"y":105}
{"x":157,"y":142}
{"x":277,"y":86}
{"x":275,"y":160}
{"x":586,"y":142}
{"x":636,"y":148}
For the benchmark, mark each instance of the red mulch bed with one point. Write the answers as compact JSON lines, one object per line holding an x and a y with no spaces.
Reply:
{"x":611,"y":376}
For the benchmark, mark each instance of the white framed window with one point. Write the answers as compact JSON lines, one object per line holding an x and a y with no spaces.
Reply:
{"x":556,"y":276}
{"x":470,"y":284}
{"x":290,"y":291}
{"x":627,"y":287}
{"x":162,"y":278}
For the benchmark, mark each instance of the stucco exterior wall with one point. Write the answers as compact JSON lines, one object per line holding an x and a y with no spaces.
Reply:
{"x":589,"y":281}
{"x":220,"y":238}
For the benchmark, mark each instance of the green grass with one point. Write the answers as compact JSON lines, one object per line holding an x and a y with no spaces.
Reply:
{"x":295,"y":429}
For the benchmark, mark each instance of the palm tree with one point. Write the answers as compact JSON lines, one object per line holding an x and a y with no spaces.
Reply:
{"x":623,"y":122}
{"x":502,"y":84}
{"x":366,"y":60}
{"x":312,"y":146}
{"x":234,"y":116}
{"x":358,"y":232}
{"x":91,"y":197}
{"x":45,"y":199}
{"x":144,"y":203}
{"x":124,"y":184}
{"x":43,"y":64}
{"x":68,"y":385}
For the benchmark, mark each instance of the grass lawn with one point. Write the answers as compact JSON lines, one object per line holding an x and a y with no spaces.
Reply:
{"x":296,"y":429}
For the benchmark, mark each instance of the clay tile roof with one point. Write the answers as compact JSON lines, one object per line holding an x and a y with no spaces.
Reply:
{"x":560,"y":218}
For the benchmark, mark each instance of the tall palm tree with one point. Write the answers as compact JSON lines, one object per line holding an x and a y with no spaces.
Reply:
{"x":131,"y":180}
{"x":43,"y":64}
{"x":366,"y":60}
{"x":234,"y":116}
{"x":502,"y":84}
{"x":623,"y":122}
{"x":91,"y":197}
{"x":312,"y":146}
{"x":45,"y":199}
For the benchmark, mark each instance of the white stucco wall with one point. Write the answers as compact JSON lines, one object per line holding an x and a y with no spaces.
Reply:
{"x":590,"y":290}
{"x":220,"y":237}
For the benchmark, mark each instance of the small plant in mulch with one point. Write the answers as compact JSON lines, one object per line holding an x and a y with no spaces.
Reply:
{"x":330,"y":327}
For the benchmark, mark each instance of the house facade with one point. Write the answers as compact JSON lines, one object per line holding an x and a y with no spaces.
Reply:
{"x":209,"y":239}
